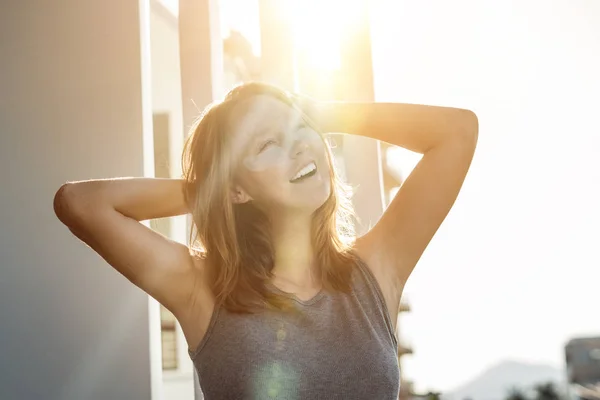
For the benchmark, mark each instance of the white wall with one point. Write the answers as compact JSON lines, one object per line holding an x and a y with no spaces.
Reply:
{"x":71,"y":108}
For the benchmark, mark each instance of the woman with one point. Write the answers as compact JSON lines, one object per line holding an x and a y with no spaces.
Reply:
{"x":275,"y":297}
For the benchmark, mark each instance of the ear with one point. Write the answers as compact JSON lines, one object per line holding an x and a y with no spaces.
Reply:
{"x":239,"y":195}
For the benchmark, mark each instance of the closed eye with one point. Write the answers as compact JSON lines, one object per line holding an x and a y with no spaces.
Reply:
{"x":301,"y":125}
{"x":265,"y":145}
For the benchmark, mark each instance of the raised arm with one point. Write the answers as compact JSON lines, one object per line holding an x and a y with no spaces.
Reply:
{"x":447,"y":138}
{"x":105,"y":214}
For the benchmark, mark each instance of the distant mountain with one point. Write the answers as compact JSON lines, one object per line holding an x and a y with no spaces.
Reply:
{"x":495,"y":382}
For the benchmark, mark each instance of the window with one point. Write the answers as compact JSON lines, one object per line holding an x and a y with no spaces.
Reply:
{"x":168,"y":323}
{"x":168,"y":334}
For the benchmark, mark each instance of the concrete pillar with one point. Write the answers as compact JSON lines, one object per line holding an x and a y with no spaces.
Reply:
{"x":362,"y":155}
{"x":201,"y":60}
{"x":277,"y":44}
{"x":74,"y":105}
{"x":201,"y":55}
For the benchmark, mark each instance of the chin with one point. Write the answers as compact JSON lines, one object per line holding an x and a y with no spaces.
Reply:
{"x":314,"y":199}
{"x":308,"y":196}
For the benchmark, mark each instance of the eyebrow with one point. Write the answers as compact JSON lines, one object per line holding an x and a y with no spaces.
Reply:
{"x":258,"y":135}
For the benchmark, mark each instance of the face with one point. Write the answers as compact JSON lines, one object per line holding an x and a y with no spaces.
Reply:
{"x":281,"y":163}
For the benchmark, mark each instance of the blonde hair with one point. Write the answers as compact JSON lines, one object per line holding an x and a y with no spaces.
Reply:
{"x":235,"y":238}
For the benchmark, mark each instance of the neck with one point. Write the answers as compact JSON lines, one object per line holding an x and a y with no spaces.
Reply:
{"x":293,"y":252}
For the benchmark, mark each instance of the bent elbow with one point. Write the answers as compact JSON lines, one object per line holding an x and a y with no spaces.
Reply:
{"x":468,"y":128}
{"x":63,"y":204}
{"x":472,"y":125}
{"x":59,"y":202}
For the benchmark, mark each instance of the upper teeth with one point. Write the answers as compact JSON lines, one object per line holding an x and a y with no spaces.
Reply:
{"x":309,"y":168}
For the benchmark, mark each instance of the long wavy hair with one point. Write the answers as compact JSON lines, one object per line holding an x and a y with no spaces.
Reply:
{"x":234,"y":239}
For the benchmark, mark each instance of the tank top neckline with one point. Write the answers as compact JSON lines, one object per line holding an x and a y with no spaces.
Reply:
{"x":298,"y":300}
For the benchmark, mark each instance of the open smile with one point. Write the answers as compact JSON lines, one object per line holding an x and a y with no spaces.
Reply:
{"x":305,"y":173}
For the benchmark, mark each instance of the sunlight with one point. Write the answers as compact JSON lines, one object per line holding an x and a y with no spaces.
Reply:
{"x":319,"y":27}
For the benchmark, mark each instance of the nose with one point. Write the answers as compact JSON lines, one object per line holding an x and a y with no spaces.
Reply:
{"x":299,"y":147}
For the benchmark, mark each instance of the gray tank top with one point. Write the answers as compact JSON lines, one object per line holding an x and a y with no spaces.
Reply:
{"x":341,"y":346}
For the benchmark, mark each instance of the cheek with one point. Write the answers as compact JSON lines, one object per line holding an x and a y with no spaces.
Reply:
{"x":320,"y":151}
{"x":265,"y":174}
{"x":267,"y":186}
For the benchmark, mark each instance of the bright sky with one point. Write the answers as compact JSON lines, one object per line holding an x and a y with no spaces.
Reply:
{"x":514,"y":271}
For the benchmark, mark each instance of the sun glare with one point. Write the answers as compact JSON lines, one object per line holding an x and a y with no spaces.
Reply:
{"x":319,"y":27}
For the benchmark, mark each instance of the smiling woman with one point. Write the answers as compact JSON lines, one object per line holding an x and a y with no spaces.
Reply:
{"x":271,"y":218}
{"x":275,"y":295}
{"x":254,"y":164}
